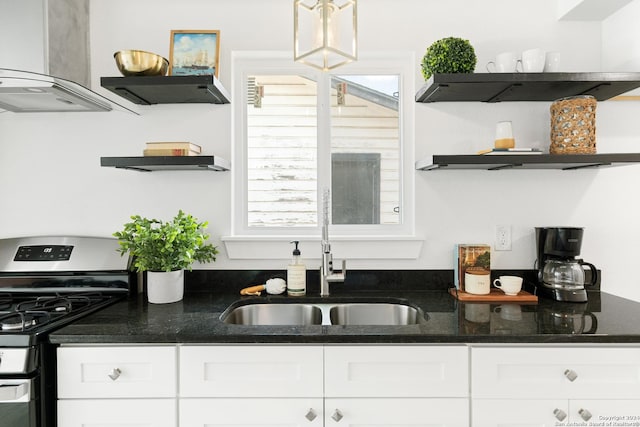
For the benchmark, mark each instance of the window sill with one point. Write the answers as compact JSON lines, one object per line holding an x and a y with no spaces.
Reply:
{"x":342,"y":247}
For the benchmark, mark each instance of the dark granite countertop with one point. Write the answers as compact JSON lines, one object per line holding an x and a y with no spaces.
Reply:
{"x":604,"y":318}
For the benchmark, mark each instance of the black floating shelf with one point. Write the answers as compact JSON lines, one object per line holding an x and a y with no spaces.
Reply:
{"x":147,"y":90}
{"x":503,"y":87}
{"x":167,"y":163}
{"x":527,"y":161}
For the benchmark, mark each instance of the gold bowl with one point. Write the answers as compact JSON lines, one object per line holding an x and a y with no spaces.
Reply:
{"x":140,"y":63}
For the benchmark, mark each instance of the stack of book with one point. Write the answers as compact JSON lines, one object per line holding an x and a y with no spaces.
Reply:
{"x":172,"y":149}
{"x":499,"y":151}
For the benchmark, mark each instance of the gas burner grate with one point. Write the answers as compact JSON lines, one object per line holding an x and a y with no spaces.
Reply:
{"x":23,"y":320}
{"x":23,"y":315}
{"x":60,"y":303}
{"x":6,"y":301}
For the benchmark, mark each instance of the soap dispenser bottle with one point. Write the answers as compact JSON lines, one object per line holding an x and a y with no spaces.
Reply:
{"x":296,"y":274}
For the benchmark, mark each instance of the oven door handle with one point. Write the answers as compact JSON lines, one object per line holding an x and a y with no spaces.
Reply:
{"x":15,"y":391}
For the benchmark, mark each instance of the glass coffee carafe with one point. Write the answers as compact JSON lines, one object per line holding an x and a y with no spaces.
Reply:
{"x":567,"y":274}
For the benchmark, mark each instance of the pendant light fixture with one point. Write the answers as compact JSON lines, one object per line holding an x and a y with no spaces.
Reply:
{"x":325,"y":32}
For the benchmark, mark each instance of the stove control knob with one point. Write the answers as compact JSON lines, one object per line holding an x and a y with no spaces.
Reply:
{"x":115,"y":374}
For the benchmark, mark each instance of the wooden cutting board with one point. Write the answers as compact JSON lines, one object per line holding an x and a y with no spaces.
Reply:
{"x":495,"y":295}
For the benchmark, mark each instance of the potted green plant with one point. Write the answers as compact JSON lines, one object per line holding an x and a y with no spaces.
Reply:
{"x":164,"y":250}
{"x":449,"y":55}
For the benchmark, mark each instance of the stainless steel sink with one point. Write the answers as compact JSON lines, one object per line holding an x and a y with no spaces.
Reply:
{"x":274,"y":314}
{"x":378,"y":314}
{"x":342,"y":314}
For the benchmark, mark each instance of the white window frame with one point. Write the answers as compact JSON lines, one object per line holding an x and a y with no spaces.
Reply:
{"x":357,"y":241}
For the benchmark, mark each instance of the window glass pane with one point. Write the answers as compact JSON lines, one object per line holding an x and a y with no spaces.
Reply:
{"x":282,"y":151}
{"x":365,"y":149}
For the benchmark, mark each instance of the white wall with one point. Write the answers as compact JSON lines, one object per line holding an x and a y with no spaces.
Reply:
{"x":51,"y":181}
{"x":621,"y":39}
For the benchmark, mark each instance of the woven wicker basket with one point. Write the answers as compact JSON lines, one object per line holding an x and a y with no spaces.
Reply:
{"x":573,"y":125}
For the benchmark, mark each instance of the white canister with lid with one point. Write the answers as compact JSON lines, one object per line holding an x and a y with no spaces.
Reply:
{"x":477,"y":282}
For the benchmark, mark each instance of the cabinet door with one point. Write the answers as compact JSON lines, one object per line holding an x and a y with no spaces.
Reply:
{"x":555,"y":372}
{"x":251,"y":412}
{"x":117,"y":413}
{"x":251,"y":371}
{"x":397,"y":412}
{"x":519,"y":413}
{"x":116,"y":372}
{"x":396,"y":371}
{"x":605,"y":412}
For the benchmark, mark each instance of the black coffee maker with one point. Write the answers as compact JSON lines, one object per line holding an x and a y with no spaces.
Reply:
{"x":561,"y":276}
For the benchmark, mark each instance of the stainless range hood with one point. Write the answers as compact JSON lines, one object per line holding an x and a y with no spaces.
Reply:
{"x":38,"y":73}
{"x":25,"y":92}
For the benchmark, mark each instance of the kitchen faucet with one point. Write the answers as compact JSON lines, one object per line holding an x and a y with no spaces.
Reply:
{"x":327,"y":274}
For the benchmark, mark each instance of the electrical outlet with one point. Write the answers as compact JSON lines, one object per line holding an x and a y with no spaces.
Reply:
{"x":503,"y":238}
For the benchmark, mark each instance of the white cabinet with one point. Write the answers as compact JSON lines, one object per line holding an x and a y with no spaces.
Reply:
{"x":553,"y":412}
{"x":396,"y":385}
{"x":354,"y":385}
{"x":251,"y":371}
{"x":314,"y":385}
{"x":553,"y":385}
{"x":251,"y":385}
{"x":396,"y":371}
{"x":519,"y":412}
{"x":405,"y":412}
{"x":117,"y":412}
{"x":117,"y":386}
{"x":116,"y":372}
{"x":254,"y":412}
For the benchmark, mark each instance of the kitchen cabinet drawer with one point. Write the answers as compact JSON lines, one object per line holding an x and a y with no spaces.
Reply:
{"x":555,"y":372}
{"x":533,"y":413}
{"x":296,"y":412}
{"x":396,"y":371}
{"x":397,"y":412}
{"x":117,"y":413}
{"x":554,"y":412}
{"x":85,"y":372}
{"x":251,"y":371}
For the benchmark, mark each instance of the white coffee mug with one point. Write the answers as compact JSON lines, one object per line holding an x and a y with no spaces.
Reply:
{"x":505,"y":62}
{"x":510,"y":285}
{"x":552,"y":62}
{"x":476,"y":282}
{"x":533,"y":60}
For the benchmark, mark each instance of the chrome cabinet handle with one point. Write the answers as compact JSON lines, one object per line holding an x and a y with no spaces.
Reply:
{"x":115,"y":374}
{"x":311,"y":414}
{"x":570,"y":374}
{"x":584,"y":414}
{"x":14,"y":392}
{"x":559,"y":414}
{"x":337,"y":415}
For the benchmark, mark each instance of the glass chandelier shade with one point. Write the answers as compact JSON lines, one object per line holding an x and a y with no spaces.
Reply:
{"x":325,"y":32}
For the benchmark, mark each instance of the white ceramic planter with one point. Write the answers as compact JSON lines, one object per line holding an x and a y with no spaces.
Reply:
{"x":165,"y":287}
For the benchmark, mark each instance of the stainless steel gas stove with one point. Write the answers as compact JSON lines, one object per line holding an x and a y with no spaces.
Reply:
{"x":45,"y":283}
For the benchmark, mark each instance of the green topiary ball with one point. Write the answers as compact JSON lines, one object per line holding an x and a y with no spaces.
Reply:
{"x":449,"y":55}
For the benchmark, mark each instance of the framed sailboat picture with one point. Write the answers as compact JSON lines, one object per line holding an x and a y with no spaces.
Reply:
{"x":194,"y":52}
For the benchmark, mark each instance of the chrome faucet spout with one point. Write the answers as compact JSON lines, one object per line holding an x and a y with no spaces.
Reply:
{"x":326,"y":246}
{"x":327,"y":274}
